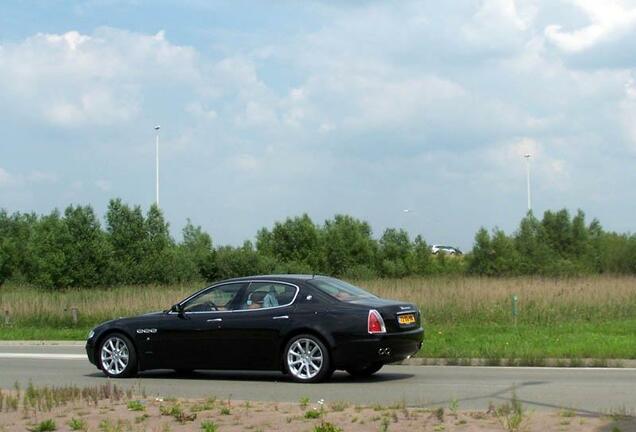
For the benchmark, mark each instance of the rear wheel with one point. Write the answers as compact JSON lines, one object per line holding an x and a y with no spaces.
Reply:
{"x":364,"y":370}
{"x":307,"y":359}
{"x":117,"y":356}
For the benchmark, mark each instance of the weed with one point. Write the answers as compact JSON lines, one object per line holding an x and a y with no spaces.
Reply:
{"x":77,"y":424}
{"x":384,"y":426}
{"x":304,"y":401}
{"x":142,"y":418}
{"x":327,"y":427}
{"x":567,"y":412}
{"x":44,"y":426}
{"x":439,"y":414}
{"x":209,"y":426}
{"x":511,"y":415}
{"x":225,"y":411}
{"x":177,"y":412}
{"x":338,"y":405}
{"x":453,"y":406}
{"x":312,"y":414}
{"x":135,"y":405}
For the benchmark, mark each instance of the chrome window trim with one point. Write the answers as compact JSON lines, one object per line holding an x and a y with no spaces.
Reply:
{"x":249,"y":282}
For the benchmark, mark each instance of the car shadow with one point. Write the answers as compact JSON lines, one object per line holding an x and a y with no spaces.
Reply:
{"x":273,"y":376}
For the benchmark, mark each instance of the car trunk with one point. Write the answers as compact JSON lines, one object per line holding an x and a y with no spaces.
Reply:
{"x":391,"y":312}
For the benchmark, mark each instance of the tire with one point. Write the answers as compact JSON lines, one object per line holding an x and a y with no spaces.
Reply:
{"x":365,"y":370}
{"x":306,"y":359}
{"x":117,"y":356}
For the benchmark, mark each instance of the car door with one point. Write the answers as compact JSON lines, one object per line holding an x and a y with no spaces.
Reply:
{"x":253,"y":332}
{"x":192,"y":339}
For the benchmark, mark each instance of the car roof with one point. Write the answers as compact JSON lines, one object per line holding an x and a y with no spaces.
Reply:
{"x":275,"y":277}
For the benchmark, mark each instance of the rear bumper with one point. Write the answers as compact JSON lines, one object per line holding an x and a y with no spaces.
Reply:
{"x":386,"y":348}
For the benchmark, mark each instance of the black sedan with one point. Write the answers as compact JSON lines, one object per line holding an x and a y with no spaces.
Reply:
{"x":303,"y":325}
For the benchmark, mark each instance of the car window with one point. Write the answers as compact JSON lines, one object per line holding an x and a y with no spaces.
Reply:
{"x":221,"y":298}
{"x":340,"y":289}
{"x":264,"y":295}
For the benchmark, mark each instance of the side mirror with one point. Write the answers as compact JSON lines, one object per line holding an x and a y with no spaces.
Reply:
{"x":177,"y":308}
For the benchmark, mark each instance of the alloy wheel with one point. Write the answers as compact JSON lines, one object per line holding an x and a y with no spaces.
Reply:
{"x":115,"y":355}
{"x":305,"y":359}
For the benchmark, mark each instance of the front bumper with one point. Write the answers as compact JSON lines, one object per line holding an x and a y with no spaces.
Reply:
{"x":90,"y":350}
{"x":384,"y":348}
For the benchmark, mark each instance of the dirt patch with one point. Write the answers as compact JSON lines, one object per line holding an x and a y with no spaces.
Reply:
{"x":108,"y":409}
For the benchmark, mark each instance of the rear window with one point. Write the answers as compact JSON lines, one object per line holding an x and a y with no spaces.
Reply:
{"x":340,"y":289}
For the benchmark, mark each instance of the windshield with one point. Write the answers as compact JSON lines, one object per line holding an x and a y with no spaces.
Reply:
{"x":340,"y":289}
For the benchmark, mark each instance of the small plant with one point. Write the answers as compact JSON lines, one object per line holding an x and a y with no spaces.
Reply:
{"x":567,"y":412}
{"x":142,"y":418}
{"x":439,"y":414}
{"x":303,"y":401}
{"x":453,"y":406}
{"x":327,"y":427}
{"x":44,"y":426}
{"x":77,"y":424}
{"x":339,"y":406}
{"x":511,"y":415}
{"x":177,"y":412}
{"x":209,"y":426}
{"x":384,"y":426}
{"x":312,"y":414}
{"x":225,"y":410}
{"x":135,"y":405}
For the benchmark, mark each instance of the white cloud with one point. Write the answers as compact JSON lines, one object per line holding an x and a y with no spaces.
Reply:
{"x":76,"y":80}
{"x":608,"y":19}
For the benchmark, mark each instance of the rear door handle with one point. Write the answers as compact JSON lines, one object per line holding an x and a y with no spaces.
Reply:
{"x":215,"y":320}
{"x":281,"y":317}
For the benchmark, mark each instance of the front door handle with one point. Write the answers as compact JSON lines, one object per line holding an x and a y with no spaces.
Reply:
{"x":215,"y":320}
{"x":281,"y":317}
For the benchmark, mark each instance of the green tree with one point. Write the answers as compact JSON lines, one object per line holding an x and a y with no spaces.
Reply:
{"x":348,"y":248}
{"x":49,"y":245}
{"x":127,"y":236}
{"x":296,"y":240}
{"x":87,"y":258}
{"x":198,"y":251}
{"x":395,"y":250}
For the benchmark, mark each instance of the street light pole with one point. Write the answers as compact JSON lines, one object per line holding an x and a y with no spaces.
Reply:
{"x":527,"y":156}
{"x":157,"y":163}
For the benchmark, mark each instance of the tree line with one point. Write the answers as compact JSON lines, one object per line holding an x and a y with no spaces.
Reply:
{"x":73,"y":249}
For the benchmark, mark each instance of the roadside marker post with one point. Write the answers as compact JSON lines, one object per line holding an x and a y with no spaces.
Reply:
{"x":74,"y":314}
{"x":6,"y":317}
{"x":515,"y":300}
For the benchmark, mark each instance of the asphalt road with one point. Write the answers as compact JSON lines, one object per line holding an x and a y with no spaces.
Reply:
{"x":590,"y":390}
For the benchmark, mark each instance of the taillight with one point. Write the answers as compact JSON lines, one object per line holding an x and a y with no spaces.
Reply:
{"x":375,"y":323}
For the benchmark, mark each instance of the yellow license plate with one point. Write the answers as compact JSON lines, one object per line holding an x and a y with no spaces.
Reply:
{"x":406,"y":319}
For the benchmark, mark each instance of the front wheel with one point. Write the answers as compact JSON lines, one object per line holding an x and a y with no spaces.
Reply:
{"x":307,"y":359}
{"x":117,"y":356}
{"x":365,"y":370}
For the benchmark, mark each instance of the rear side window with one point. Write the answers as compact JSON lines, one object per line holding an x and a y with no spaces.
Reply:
{"x":265,"y":295}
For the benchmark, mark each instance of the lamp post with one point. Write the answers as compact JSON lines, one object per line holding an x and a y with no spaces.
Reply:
{"x":157,"y":164}
{"x":527,"y":156}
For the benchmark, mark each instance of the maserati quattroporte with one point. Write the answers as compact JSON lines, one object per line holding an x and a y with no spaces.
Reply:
{"x":305,"y":326}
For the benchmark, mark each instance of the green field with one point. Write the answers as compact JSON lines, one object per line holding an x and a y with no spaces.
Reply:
{"x":592,"y":317}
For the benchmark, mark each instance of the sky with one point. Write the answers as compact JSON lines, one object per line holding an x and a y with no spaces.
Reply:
{"x":271,"y":109}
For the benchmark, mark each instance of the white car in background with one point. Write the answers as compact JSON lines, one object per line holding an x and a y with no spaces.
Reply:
{"x":449,"y":250}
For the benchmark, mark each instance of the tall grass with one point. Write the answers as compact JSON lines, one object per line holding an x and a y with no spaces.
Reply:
{"x":468,"y":300}
{"x":540,"y":300}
